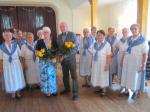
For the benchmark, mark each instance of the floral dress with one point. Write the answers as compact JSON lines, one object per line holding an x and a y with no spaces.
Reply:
{"x":48,"y":78}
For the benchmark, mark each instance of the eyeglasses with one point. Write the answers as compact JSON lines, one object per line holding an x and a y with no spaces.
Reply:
{"x":45,"y":32}
{"x":29,"y":37}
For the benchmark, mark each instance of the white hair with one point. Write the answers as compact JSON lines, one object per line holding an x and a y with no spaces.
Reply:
{"x":3,"y":34}
{"x":86,"y":30}
{"x":39,"y":32}
{"x":46,"y":29}
{"x":63,"y":23}
{"x":134,"y":25}
{"x":125,"y":28}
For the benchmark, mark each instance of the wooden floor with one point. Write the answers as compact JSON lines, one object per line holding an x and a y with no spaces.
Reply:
{"x":34,"y":101}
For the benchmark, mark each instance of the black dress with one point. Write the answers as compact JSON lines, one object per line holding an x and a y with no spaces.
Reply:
{"x":41,"y":44}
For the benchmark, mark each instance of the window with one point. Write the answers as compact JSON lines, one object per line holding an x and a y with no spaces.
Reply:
{"x":39,"y":21}
{"x":7,"y":23}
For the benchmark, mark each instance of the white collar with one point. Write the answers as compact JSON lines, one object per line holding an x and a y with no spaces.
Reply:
{"x":93,"y":36}
{"x":135,"y":37}
{"x":30,"y":44}
{"x":101,"y":42}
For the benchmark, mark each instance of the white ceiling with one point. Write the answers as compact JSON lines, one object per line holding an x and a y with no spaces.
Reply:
{"x":77,"y":3}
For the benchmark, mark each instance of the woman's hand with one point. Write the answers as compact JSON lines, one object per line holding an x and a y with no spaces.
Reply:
{"x":54,"y":60}
{"x":143,"y":67}
{"x":121,"y":63}
{"x":1,"y":71}
{"x":122,"y":59}
{"x":25,"y":67}
{"x":112,"y":55}
{"x":59,"y":58}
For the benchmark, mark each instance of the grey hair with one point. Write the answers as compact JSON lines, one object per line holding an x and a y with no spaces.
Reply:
{"x":46,"y":29}
{"x":63,"y":23}
{"x":86,"y":30}
{"x":137,"y":25}
{"x":3,"y":34}
{"x":39,"y":32}
{"x":125,"y":28}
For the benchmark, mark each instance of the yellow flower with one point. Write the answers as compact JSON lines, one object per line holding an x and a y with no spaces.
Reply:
{"x":43,"y":50}
{"x":66,"y":43}
{"x":73,"y":44}
{"x":68,"y":46}
{"x":39,"y":53}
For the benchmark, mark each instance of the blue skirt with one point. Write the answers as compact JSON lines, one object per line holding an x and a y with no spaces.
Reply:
{"x":48,"y":79}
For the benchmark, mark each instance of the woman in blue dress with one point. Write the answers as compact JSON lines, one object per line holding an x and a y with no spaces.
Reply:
{"x":47,"y":70}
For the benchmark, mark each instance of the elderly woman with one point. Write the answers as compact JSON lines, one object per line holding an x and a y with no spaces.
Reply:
{"x":112,"y":40}
{"x":47,"y":70}
{"x":20,"y":39}
{"x":28,"y":57}
{"x":11,"y":67}
{"x":100,"y":64}
{"x":135,"y":61}
{"x":121,"y":49}
{"x":85,"y":57}
{"x":93,"y":34}
{"x":39,"y":36}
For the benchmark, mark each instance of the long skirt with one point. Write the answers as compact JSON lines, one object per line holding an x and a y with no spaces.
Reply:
{"x":32,"y":73}
{"x":13,"y":76}
{"x":48,"y":78}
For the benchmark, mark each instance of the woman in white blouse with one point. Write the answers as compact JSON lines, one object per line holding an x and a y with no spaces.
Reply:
{"x":28,"y":56}
{"x":101,"y":60}
{"x":134,"y":61}
{"x":10,"y":66}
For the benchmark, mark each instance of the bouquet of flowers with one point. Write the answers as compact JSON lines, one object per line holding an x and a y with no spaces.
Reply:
{"x":45,"y":54}
{"x":65,"y":50}
{"x":67,"y":47}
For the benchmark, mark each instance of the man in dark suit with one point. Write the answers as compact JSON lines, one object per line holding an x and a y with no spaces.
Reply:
{"x":68,"y":62}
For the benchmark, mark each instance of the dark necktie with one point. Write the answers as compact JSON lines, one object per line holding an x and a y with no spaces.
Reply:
{"x":64,"y":36}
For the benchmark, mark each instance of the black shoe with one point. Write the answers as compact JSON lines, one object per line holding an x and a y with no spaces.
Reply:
{"x":54,"y":94}
{"x":88,"y":85}
{"x":75,"y":98}
{"x":37,"y":87}
{"x":84,"y":85}
{"x":121,"y":94}
{"x":18,"y":97}
{"x":47,"y":95}
{"x":134,"y":96}
{"x":64,"y":92}
{"x":126,"y":94}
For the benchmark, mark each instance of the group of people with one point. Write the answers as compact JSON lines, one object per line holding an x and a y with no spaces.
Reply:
{"x":103,"y":60}
{"x":19,"y":66}
{"x":107,"y":59}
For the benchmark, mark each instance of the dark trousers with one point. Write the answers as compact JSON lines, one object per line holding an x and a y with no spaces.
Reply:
{"x":70,"y":66}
